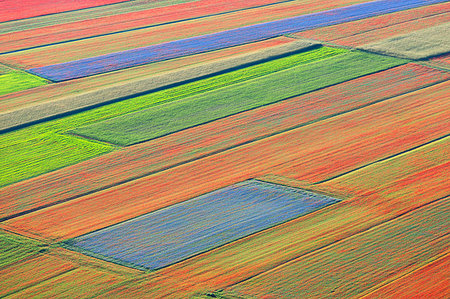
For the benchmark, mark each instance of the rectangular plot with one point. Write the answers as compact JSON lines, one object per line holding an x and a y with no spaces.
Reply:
{"x":420,"y":44}
{"x":134,"y":57}
{"x":193,"y":143}
{"x":168,"y":118}
{"x":350,"y":267}
{"x":180,"y":231}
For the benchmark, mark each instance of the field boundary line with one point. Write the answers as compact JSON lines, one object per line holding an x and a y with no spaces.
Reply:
{"x":168,"y":167}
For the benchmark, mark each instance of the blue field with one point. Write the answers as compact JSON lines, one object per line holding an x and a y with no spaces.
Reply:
{"x":220,"y":40}
{"x":164,"y":237}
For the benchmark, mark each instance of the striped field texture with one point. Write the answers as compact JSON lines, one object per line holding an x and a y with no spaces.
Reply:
{"x":194,"y":45}
{"x":169,"y":235}
{"x":235,"y":150}
{"x":182,"y":147}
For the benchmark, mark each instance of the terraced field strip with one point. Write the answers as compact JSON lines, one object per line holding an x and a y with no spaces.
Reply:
{"x":31,"y":271}
{"x":13,"y":10}
{"x":82,"y":282}
{"x":420,"y":44}
{"x":312,"y":151}
{"x":430,"y":281}
{"x":12,"y":80}
{"x":70,"y":105}
{"x":190,"y":144}
{"x":167,"y":236}
{"x":121,"y":22}
{"x":150,"y":36}
{"x":219,"y":40}
{"x":373,"y":29}
{"x":350,"y":267}
{"x":45,"y":147}
{"x":56,"y":91}
{"x":175,"y":116}
{"x":251,"y":256}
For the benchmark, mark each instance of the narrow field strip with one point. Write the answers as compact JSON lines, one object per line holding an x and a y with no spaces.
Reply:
{"x":194,"y":143}
{"x":420,"y":44}
{"x":81,"y":282}
{"x":309,"y":153}
{"x":376,"y":27}
{"x":14,"y":80}
{"x":86,"y":48}
{"x":170,"y":235}
{"x":251,"y":256}
{"x":15,"y":10}
{"x":121,"y":22}
{"x":350,"y":267}
{"x":84,"y":14}
{"x":45,"y":148}
{"x":430,"y":281}
{"x":220,"y":40}
{"x":169,"y":118}
{"x":52,"y":92}
{"x":69,"y":105}
{"x":31,"y":271}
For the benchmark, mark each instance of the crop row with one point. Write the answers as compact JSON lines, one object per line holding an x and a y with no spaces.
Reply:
{"x":166,"y":152}
{"x":314,"y":152}
{"x":11,"y":10}
{"x":199,"y":44}
{"x":175,"y":116}
{"x":120,"y":22}
{"x":39,"y":146}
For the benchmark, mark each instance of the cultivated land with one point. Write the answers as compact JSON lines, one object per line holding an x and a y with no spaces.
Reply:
{"x":272,"y":168}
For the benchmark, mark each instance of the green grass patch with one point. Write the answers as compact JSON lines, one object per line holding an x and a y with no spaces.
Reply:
{"x":14,"y":248}
{"x":174,"y":116}
{"x":14,"y":80}
{"x":44,"y":147}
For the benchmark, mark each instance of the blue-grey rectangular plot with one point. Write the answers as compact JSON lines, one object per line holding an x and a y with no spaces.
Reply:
{"x":172,"y":234}
{"x":220,"y":40}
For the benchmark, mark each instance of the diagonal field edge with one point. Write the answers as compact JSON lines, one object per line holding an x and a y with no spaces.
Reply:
{"x":199,"y":44}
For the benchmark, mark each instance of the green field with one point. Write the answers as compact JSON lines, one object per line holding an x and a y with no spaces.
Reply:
{"x":15,"y":248}
{"x":171,"y":117}
{"x":14,"y":80}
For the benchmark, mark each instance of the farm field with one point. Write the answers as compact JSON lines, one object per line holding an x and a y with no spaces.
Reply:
{"x":201,"y":149}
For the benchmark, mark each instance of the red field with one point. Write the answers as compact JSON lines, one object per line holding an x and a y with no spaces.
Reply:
{"x":15,"y":10}
{"x":105,"y":25}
